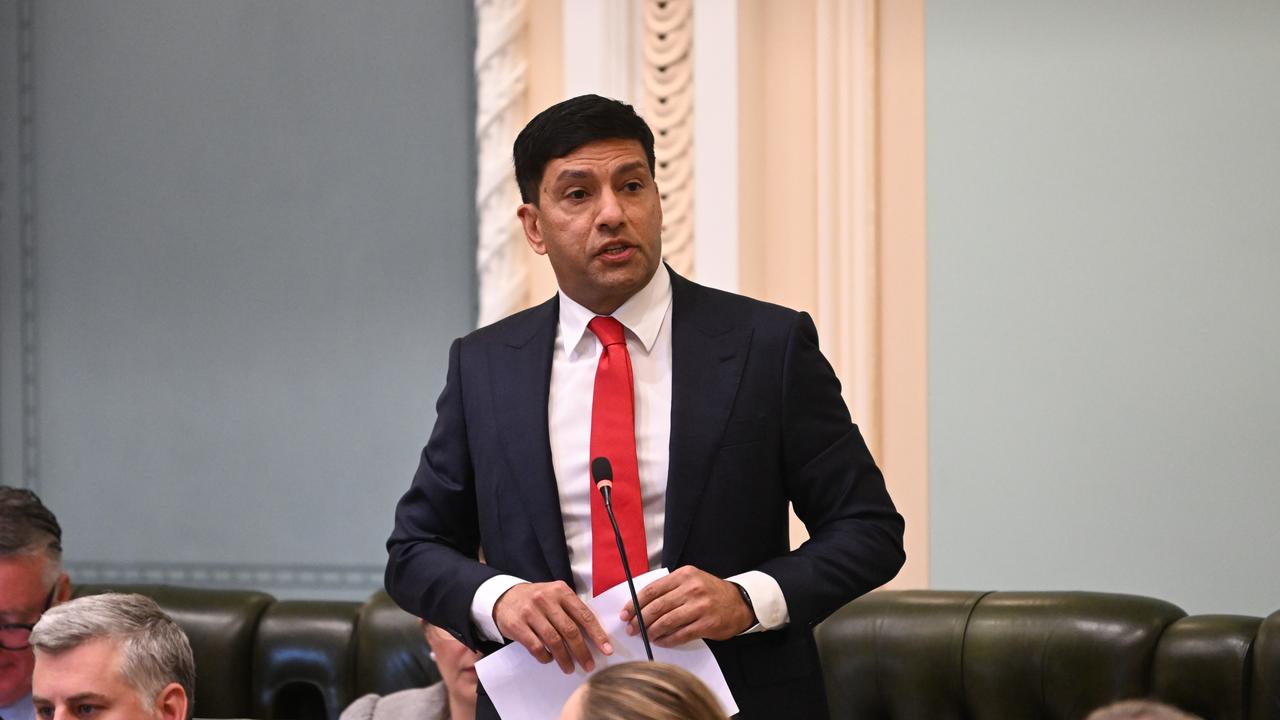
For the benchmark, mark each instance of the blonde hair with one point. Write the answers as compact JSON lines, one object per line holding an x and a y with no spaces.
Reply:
{"x":648,"y":691}
{"x":1139,"y":710}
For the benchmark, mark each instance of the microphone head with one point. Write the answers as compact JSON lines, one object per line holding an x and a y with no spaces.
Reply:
{"x":602,"y":472}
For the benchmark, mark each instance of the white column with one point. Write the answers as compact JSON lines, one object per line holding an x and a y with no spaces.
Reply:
{"x":715,"y":67}
{"x":501,"y":79}
{"x":848,"y":229}
{"x":599,"y":49}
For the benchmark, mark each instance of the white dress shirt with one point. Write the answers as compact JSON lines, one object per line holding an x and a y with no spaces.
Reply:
{"x":21,"y":710}
{"x":646,"y":317}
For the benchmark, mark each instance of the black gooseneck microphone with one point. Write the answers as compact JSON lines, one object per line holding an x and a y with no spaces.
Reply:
{"x":602,"y":473}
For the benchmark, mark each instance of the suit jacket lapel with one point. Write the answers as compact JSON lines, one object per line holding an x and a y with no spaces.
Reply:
{"x":521,"y":374}
{"x":707,"y":357}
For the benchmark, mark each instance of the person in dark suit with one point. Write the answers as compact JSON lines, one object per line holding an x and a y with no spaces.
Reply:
{"x":727,"y":412}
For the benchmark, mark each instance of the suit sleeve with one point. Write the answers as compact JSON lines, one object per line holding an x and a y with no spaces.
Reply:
{"x":855,"y":533}
{"x":432,"y":570}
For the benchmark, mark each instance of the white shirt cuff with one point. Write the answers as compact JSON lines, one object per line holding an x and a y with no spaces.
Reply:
{"x":766,"y":598}
{"x":486,"y":597}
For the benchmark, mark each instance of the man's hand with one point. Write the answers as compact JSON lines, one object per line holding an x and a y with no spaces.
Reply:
{"x":689,"y":604}
{"x":550,"y":621}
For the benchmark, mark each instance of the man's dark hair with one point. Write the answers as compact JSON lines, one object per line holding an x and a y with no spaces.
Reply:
{"x":567,"y":126}
{"x":26,"y":525}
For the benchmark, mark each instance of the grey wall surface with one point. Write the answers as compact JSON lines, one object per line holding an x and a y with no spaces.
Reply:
{"x":1104,"y":239}
{"x":254,"y":242}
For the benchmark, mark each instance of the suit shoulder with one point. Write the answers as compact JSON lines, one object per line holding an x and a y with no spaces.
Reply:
{"x":516,"y":328}
{"x":732,"y":308}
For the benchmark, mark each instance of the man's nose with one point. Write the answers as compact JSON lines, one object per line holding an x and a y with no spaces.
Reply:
{"x":610,"y":217}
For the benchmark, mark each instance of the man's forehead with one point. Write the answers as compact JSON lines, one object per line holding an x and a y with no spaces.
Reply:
{"x":613,"y":151}
{"x":91,"y":666}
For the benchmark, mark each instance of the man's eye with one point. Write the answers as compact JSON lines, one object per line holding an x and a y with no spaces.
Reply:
{"x":44,"y":712}
{"x":634,"y":186}
{"x":85,"y":710}
{"x":576,"y":195}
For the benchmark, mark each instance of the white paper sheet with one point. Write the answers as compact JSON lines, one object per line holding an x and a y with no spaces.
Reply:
{"x":524,"y":689}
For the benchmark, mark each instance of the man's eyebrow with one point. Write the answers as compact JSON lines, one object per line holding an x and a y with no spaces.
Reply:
{"x":571,"y":174}
{"x":89,"y":696}
{"x":631,"y":167}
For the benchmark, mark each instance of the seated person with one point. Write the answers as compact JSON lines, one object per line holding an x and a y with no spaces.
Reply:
{"x":643,"y":691}
{"x":31,"y":580}
{"x":1139,"y":710}
{"x":452,"y":699}
{"x":112,"y":657}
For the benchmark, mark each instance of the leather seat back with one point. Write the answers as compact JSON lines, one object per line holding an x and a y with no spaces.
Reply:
{"x":1266,"y":670}
{"x":897,"y":654}
{"x":1204,"y":665}
{"x":391,"y":652}
{"x":303,"y":659}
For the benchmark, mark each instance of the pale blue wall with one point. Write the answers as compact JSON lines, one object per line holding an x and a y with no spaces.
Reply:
{"x":254,"y":243}
{"x":1104,"y":254}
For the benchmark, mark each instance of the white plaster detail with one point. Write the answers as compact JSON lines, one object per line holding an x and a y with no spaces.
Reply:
{"x":848,"y":226}
{"x":668,"y":107}
{"x":600,"y":55}
{"x":501,"y":70}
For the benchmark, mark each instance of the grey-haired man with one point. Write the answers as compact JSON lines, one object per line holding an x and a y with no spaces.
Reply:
{"x":112,"y":657}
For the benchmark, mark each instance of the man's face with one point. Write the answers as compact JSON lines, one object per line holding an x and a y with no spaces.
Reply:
{"x":85,"y":683}
{"x":599,"y":222}
{"x":22,"y":598}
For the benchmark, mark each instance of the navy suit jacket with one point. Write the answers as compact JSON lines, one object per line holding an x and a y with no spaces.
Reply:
{"x":757,"y":421}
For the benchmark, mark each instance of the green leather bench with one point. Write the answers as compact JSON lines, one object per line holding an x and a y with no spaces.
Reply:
{"x":899,"y":655}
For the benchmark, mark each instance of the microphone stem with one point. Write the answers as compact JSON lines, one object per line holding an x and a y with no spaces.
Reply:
{"x":626,"y":568}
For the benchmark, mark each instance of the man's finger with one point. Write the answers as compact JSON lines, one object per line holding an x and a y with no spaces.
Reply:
{"x":590,"y":624}
{"x":649,"y":593}
{"x":531,"y":642}
{"x":573,"y":640}
{"x":663,"y":629}
{"x":551,"y":640}
{"x":660,"y":606}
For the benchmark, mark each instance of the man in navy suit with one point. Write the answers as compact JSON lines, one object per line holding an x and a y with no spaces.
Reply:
{"x":736,"y":414}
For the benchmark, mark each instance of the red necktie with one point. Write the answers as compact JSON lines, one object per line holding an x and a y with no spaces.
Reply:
{"x":613,"y":436}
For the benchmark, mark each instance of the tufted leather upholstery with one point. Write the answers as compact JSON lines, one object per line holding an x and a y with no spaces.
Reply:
{"x":903,"y":655}
{"x":896,"y":655}
{"x":390,"y":652}
{"x":303,"y":659}
{"x":1266,"y":670}
{"x":1202,"y":665}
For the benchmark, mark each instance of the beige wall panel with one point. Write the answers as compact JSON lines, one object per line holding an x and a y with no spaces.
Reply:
{"x":546,"y":88}
{"x":751,"y":168}
{"x":786,"y":141}
{"x":904,"y":436}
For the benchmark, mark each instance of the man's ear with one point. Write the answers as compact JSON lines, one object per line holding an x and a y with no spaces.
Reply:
{"x":529,"y":219}
{"x":172,"y":703}
{"x":63,"y":593}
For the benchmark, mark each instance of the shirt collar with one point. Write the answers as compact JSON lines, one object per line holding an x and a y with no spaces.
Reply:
{"x":20,"y":710}
{"x":641,"y":314}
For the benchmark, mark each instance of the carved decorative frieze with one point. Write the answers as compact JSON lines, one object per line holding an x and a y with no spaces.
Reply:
{"x":501,"y":71}
{"x":667,"y":52}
